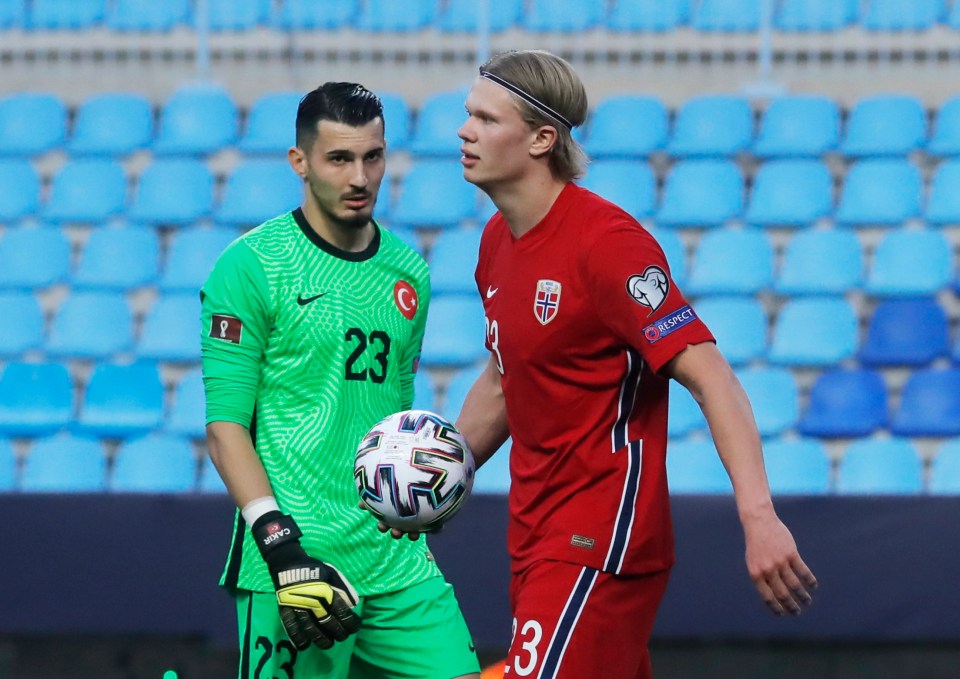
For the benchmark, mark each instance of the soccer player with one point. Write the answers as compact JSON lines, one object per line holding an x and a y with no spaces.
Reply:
{"x":585,"y":327}
{"x":312,"y":328}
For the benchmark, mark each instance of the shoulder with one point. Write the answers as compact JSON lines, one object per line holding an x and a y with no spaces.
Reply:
{"x":602,"y":222}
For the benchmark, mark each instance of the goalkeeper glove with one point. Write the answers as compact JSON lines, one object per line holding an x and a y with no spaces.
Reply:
{"x":315,"y":599}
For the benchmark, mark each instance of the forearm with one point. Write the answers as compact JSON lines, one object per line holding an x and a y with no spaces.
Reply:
{"x":235,"y":458}
{"x":483,"y":417}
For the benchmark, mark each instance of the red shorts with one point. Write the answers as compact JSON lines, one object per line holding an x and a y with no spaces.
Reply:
{"x":570,"y":621}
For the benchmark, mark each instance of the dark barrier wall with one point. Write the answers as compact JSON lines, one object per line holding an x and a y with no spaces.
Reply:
{"x":121,"y":564}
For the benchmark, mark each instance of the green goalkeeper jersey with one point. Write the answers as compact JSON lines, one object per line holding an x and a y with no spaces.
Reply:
{"x":309,"y":346}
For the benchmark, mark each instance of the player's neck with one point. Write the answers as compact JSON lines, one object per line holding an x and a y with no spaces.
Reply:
{"x":346,"y":237}
{"x":525,"y":203}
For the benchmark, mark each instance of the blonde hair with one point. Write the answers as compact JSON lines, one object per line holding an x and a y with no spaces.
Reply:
{"x":550,"y":80}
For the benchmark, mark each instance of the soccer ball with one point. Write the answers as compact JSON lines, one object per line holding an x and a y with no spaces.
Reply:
{"x":414,"y":470}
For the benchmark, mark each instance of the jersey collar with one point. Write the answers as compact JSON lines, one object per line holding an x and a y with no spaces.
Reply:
{"x":332,"y":249}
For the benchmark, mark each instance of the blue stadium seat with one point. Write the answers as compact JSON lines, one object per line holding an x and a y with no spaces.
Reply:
{"x":945,"y":140}
{"x":880,"y":467}
{"x":111,"y":124}
{"x":417,"y":203}
{"x":453,"y":261}
{"x":187,"y":413}
{"x":91,"y":325}
{"x":191,"y":256}
{"x":728,"y":16}
{"x":821,"y":262}
{"x":455,"y":332}
{"x":885,"y":125}
{"x":171,"y":329}
{"x":564,"y":16}
{"x":845,"y":403}
{"x":701,"y":193}
{"x":19,"y":189}
{"x":396,"y":120}
{"x":9,"y":473}
{"x":628,"y":125}
{"x":196,"y":120}
{"x":156,"y":463}
{"x":230,"y":15}
{"x":816,"y":15}
{"x":732,"y":262}
{"x":439,"y":118}
{"x":27,"y":332}
{"x":33,"y":257}
{"x":630,"y":184}
{"x":424,"y":397}
{"x":880,"y":192}
{"x":929,"y":404}
{"x":306,"y":15}
{"x":31,"y":123}
{"x":774,"y":396}
{"x":943,"y":206}
{"x":738,"y":323}
{"x":790,"y":193}
{"x":675,"y":252}
{"x":910,"y":263}
{"x":64,"y":464}
{"x":456,"y":391}
{"x":945,"y":470}
{"x":88,"y":190}
{"x":173,"y":191}
{"x":461,"y":16}
{"x":12,"y":15}
{"x":258,"y":190}
{"x":649,"y":16}
{"x":953,"y":18}
{"x":800,"y":467}
{"x":798,"y":125}
{"x":65,"y":14}
{"x":210,"y":481}
{"x":147,"y":15}
{"x":712,"y":125}
{"x":35,"y":399}
{"x":119,"y":258}
{"x":270,"y":124}
{"x":910,"y":332}
{"x":684,"y":415}
{"x":396,"y":17}
{"x":494,"y":477}
{"x":693,"y":467}
{"x":814,"y":332}
{"x":896,"y":15}
{"x":122,"y":400}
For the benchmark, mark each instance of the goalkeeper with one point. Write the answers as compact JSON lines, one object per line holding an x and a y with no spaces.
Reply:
{"x":312,"y":326}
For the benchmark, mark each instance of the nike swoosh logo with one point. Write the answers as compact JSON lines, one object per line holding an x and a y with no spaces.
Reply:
{"x":306,"y":300}
{"x":491,"y":291}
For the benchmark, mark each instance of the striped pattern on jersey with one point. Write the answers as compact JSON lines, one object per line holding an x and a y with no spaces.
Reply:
{"x":576,"y":602}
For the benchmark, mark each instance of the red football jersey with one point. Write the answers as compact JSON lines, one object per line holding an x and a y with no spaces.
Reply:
{"x":581,"y":313}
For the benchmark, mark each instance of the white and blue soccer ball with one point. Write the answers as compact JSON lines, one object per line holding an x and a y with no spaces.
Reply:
{"x":414,"y":470}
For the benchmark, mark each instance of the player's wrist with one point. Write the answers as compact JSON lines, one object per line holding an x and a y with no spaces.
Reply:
{"x":278,"y":539}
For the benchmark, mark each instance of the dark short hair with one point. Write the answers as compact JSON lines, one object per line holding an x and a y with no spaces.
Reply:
{"x":347,"y":103}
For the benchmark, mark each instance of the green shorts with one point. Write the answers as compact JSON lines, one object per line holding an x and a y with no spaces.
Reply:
{"x":415,"y":633}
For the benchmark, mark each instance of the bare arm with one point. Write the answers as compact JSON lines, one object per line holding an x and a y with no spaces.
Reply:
{"x":483,"y":417}
{"x":239,"y":465}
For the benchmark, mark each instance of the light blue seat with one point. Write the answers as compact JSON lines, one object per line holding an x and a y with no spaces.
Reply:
{"x":653,"y":16}
{"x":895,"y":15}
{"x":258,"y":190}
{"x":64,"y":464}
{"x":171,"y":329}
{"x":210,"y":481}
{"x":493,"y":478}
{"x":147,"y":15}
{"x":111,"y":124}
{"x":627,"y":125}
{"x":36,"y":399}
{"x":19,"y":189}
{"x":191,"y":256}
{"x":68,"y":15}
{"x":701,"y":193}
{"x":173,"y":191}
{"x":893,"y":338}
{"x":774,"y":397}
{"x":675,"y":252}
{"x":230,"y":15}
{"x":91,"y":325}
{"x":33,"y":257}
{"x":453,"y":261}
{"x":684,"y":416}
{"x":811,"y":332}
{"x":943,"y":206}
{"x":798,"y":467}
{"x":187,"y":414}
{"x":630,"y":184}
{"x":880,"y":467}
{"x":732,"y":262}
{"x":12,"y":15}
{"x":424,"y":397}
{"x":880,"y":192}
{"x":728,"y":16}
{"x":397,"y":120}
{"x":929,"y":404}
{"x":437,"y":121}
{"x":953,"y":18}
{"x":564,"y":16}
{"x":156,"y":463}
{"x":122,"y":400}
{"x":27,"y":333}
{"x":455,"y":331}
{"x":458,"y":386}
{"x":196,"y":120}
{"x":9,"y":472}
{"x":790,"y":193}
{"x":885,"y":125}
{"x":821,"y":262}
{"x":306,"y":15}
{"x":396,"y":17}
{"x":739,"y":325}
{"x":270,"y":124}
{"x":462,"y":16}
{"x":798,"y":125}
{"x":88,"y":190}
{"x":694,"y":467}
{"x":119,"y":258}
{"x":910,"y":263}
{"x":816,"y":15}
{"x":712,"y":125}
{"x":945,"y":470}
{"x":417,"y":204}
{"x":945,"y":140}
{"x":845,"y":404}
{"x":31,"y":123}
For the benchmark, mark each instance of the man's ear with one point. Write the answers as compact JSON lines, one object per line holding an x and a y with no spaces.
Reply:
{"x":298,"y":160}
{"x":544,"y":140}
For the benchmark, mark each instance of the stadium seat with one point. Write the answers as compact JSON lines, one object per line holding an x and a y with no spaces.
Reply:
{"x":649,"y":16}
{"x":906,"y":332}
{"x":738,"y":323}
{"x":270,"y":125}
{"x":147,"y":15}
{"x":694,"y":467}
{"x":630,"y":184}
{"x":701,"y":193}
{"x":929,"y":404}
{"x":627,"y":125}
{"x":64,"y":464}
{"x":424,"y":397}
{"x":712,"y":125}
{"x":33,"y":257}
{"x":395,"y":17}
{"x":417,"y":204}
{"x":191,"y":256}
{"x":462,"y":16}
{"x":880,"y":192}
{"x":210,"y":481}
{"x":944,"y":470}
{"x":816,"y":15}
{"x":119,"y":258}
{"x":19,"y":189}
{"x":12,"y":15}
{"x":439,"y":118}
{"x":396,"y":120}
{"x":230,"y":15}
{"x":9,"y":473}
{"x":821,"y":262}
{"x":258,"y":190}
{"x":732,"y":262}
{"x":455,"y":332}
{"x":880,"y":467}
{"x":790,"y":193}
{"x":953,"y":17}
{"x":156,"y":463}
{"x":122,"y":400}
{"x":943,"y":206}
{"x":845,"y":403}
{"x":727,"y":16}
{"x":945,"y":140}
{"x":798,"y":125}
{"x":910,"y":263}
{"x":896,"y":15}
{"x":564,"y":16}
{"x":675,"y":252}
{"x":111,"y":124}
{"x":91,"y":325}
{"x":494,"y":477}
{"x":885,"y":125}
{"x":684,"y":415}
{"x":307,"y":15}
{"x":799,"y":467}
{"x":196,"y":120}
{"x":27,"y":332}
{"x":187,"y":414}
{"x":70,"y":15}
{"x":171,"y":329}
{"x":173,"y":191}
{"x":88,"y":190}
{"x":453,"y":260}
{"x":811,"y":332}
{"x":774,"y":396}
{"x":36,"y":399}
{"x":31,"y":123}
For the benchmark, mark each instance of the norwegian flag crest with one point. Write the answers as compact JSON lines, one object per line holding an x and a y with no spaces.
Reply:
{"x":546,"y":303}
